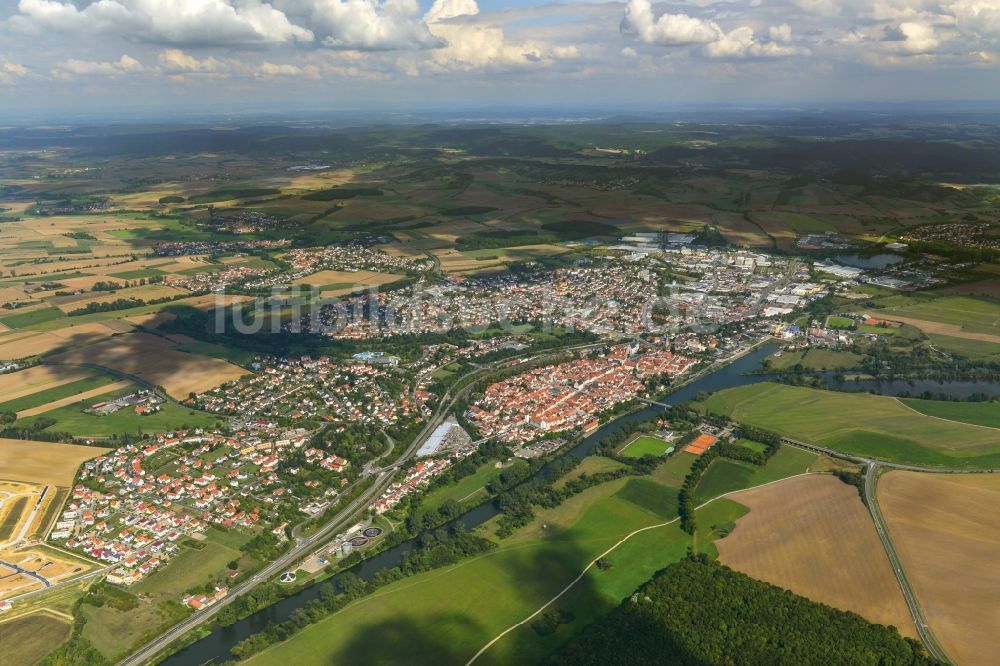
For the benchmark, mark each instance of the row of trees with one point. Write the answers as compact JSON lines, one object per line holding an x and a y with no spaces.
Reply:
{"x":723,"y":449}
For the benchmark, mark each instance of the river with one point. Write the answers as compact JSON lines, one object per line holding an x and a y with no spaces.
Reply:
{"x":215,"y":647}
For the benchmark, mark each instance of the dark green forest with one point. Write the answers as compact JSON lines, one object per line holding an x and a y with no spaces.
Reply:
{"x":701,"y":612}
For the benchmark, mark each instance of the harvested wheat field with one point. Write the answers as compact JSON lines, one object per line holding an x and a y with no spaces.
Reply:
{"x":946,"y":529}
{"x":156,"y":361}
{"x":38,"y":378}
{"x":812,"y":535}
{"x":43,"y":462}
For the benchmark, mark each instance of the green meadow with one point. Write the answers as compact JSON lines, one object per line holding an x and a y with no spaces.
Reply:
{"x":873,"y":426}
{"x":446,"y":615}
{"x":978,"y":413}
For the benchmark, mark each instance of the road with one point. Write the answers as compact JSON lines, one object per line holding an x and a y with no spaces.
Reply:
{"x":302,"y":547}
{"x":872,"y":471}
{"x":871,"y":499}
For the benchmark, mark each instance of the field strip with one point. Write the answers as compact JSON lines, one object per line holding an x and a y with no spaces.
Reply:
{"x":55,"y":404}
{"x":605,"y":554}
{"x":38,"y":388}
{"x":941,"y":418}
{"x":951,"y":330}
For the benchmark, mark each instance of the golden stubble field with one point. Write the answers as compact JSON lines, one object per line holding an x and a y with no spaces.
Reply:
{"x":38,"y":378}
{"x":946,"y":529}
{"x":51,"y":463}
{"x":157,"y":361}
{"x":812,"y":535}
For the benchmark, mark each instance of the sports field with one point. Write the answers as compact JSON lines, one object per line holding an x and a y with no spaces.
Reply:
{"x":645,"y":446}
{"x":946,"y":530}
{"x":800,"y":533}
{"x":874,"y":426}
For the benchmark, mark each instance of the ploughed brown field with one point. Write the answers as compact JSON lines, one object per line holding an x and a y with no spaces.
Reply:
{"x":946,"y":529}
{"x":812,"y":535}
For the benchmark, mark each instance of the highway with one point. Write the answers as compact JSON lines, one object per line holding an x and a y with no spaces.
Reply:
{"x":302,"y":547}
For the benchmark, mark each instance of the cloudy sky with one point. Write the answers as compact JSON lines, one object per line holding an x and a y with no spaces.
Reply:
{"x":93,"y":55}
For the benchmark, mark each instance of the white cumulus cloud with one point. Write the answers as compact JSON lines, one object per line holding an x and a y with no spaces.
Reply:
{"x":668,"y":29}
{"x":73,"y":68}
{"x":372,"y":25}
{"x":474,"y":45}
{"x":181,"y":22}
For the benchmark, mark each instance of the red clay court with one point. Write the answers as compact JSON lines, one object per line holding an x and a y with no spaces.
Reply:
{"x":701,"y":444}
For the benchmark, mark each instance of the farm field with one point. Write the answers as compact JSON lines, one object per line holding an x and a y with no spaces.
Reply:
{"x":978,"y":413}
{"x":346,"y":281}
{"x":879,"y":426}
{"x":58,"y":392}
{"x":156,"y":361}
{"x":43,"y":462}
{"x":724,"y":475}
{"x":972,"y":349}
{"x":972,"y":314}
{"x":114,"y":387}
{"x":947,"y":533}
{"x":645,"y":446}
{"x":592,"y":464}
{"x":21,"y":344}
{"x":27,"y":639}
{"x":444,"y":616}
{"x":37,"y":378}
{"x":801,"y":533}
